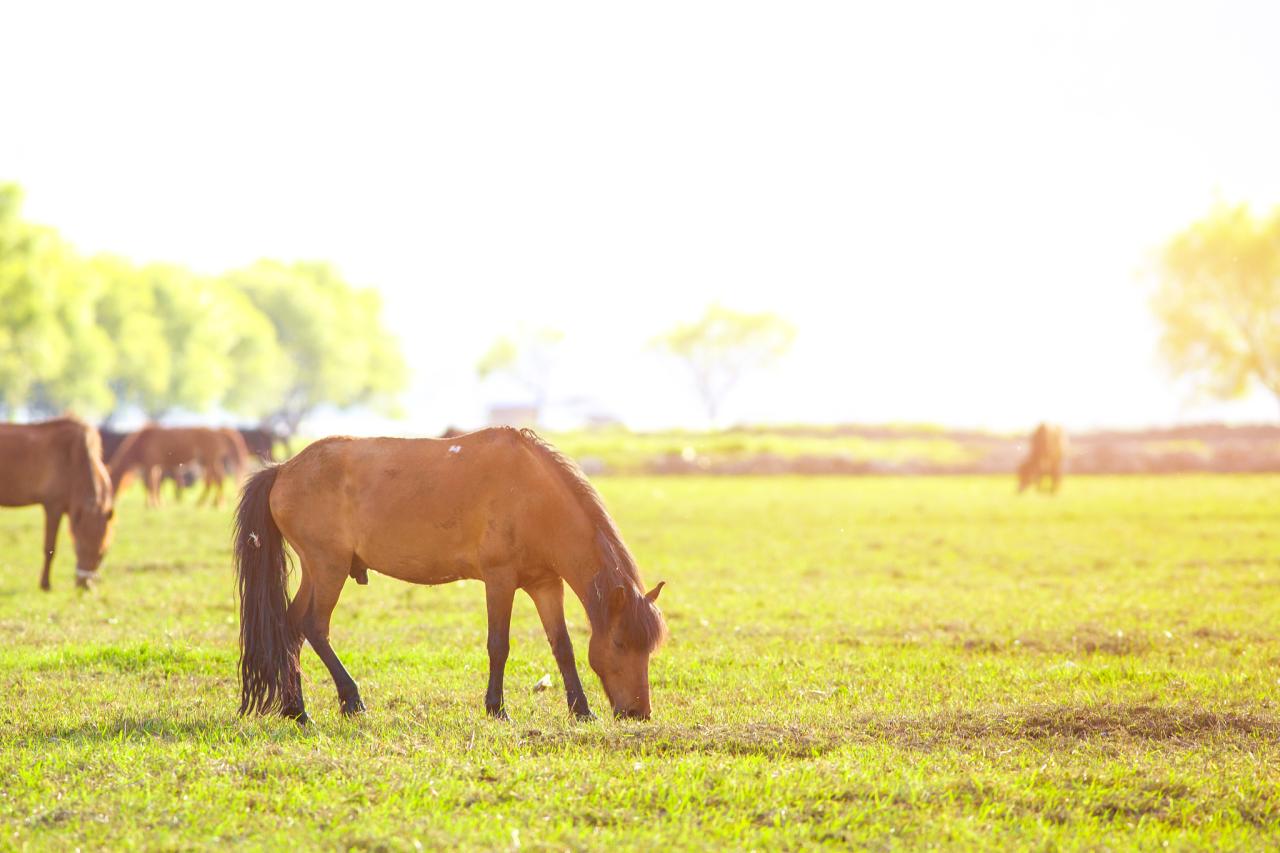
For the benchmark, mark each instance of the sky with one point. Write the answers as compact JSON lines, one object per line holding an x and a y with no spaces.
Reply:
{"x":956,"y":205}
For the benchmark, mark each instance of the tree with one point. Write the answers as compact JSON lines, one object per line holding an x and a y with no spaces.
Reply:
{"x":1219,"y":302}
{"x":334,"y":349}
{"x":200,"y":334}
{"x":526,"y":358}
{"x":78,"y":382}
{"x":129,"y":314}
{"x":724,"y":345}
{"x":52,"y":355}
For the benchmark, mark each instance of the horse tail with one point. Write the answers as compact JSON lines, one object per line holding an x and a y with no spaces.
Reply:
{"x":269,"y":670}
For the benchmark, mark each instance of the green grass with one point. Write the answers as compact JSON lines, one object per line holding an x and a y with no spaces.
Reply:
{"x":894,"y":663}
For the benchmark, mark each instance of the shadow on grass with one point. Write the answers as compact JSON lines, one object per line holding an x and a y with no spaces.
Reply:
{"x":1178,"y":725}
{"x":1174,"y":726}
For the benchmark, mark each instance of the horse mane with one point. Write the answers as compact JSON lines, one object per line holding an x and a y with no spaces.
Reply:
{"x":640,"y":621}
{"x":89,"y":478}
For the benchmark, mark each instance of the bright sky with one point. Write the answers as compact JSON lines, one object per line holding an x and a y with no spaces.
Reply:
{"x":953,"y":202}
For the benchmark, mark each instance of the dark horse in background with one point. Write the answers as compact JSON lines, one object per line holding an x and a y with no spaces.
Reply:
{"x":1043,"y":466}
{"x":182,"y":476}
{"x":58,"y":464}
{"x":153,"y":450}
{"x":260,"y":442}
{"x":500,"y":506}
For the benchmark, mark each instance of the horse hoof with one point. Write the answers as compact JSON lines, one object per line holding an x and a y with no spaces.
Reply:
{"x":350,"y":709}
{"x":498,"y":714}
{"x":586,"y":717}
{"x":302,"y":718}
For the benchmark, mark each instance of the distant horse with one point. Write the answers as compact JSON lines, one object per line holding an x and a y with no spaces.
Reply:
{"x":235,"y":458}
{"x":58,"y":464}
{"x":498,"y":505}
{"x":111,"y":440}
{"x":1044,"y":460}
{"x":261,"y":442}
{"x":181,"y":476}
{"x":155,"y":449}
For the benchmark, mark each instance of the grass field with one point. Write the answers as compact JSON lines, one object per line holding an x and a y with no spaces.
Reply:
{"x":896,"y":663}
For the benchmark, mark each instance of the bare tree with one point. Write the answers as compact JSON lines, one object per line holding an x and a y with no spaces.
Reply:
{"x":722,"y":346}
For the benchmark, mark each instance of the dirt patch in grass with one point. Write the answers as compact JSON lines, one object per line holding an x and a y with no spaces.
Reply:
{"x":956,"y":730}
{"x":1132,"y":722}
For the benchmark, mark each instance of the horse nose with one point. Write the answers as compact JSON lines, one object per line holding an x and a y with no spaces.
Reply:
{"x":641,"y":714}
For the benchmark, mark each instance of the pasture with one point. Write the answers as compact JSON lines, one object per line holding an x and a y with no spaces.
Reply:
{"x":897,"y":663}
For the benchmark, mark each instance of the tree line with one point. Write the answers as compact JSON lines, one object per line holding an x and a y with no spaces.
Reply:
{"x":101,"y":336}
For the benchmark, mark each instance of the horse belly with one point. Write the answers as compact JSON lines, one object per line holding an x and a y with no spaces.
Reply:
{"x":421,"y":548}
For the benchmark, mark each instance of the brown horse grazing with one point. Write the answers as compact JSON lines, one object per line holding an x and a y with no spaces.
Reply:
{"x":1044,"y":460}
{"x":58,"y":464}
{"x":498,"y":505}
{"x":155,"y":449}
{"x":236,"y":455}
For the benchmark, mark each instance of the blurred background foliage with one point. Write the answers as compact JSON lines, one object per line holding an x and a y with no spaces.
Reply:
{"x":1219,"y":302}
{"x":102,"y":336}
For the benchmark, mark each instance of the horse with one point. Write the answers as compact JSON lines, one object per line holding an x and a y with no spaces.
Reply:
{"x":236,"y":455}
{"x":58,"y":464}
{"x":260,"y":441}
{"x":111,"y":440}
{"x":155,"y":450}
{"x":499,"y":505}
{"x":1044,"y":460}
{"x":182,"y":476}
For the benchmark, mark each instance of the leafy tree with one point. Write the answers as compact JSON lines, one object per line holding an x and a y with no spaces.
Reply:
{"x":78,"y":382}
{"x":28,"y":328}
{"x":199,"y":334}
{"x":273,"y":341}
{"x":334,"y":349}
{"x":1219,"y":302}
{"x":129,"y":314}
{"x":52,"y":355}
{"x":724,"y":345}
{"x":526,"y":358}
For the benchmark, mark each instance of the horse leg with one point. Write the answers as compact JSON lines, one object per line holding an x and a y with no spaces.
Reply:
{"x":325,"y":590}
{"x":295,"y":708}
{"x":52,"y":521}
{"x":499,"y":594}
{"x":549,"y":599}
{"x":154,"y":475}
{"x":207,"y":491}
{"x":219,"y":475}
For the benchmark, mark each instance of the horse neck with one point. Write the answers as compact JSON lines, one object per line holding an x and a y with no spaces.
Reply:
{"x":82,"y":478}
{"x":588,"y":574}
{"x":578,"y":569}
{"x":125,"y":459}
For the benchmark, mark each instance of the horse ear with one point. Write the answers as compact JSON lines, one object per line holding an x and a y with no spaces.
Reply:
{"x":617,"y":601}
{"x":652,"y":594}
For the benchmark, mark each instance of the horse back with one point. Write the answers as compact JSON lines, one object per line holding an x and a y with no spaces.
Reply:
{"x":425,"y":510}
{"x":36,"y":462}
